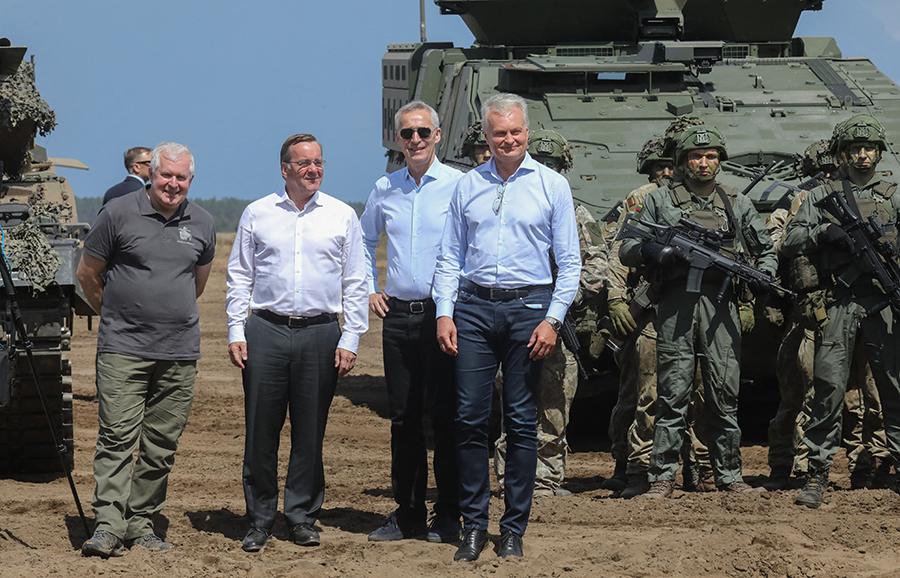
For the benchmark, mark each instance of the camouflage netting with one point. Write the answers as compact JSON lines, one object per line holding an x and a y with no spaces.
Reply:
{"x":23,"y":113}
{"x":31,"y":255}
{"x":651,"y":152}
{"x":817,"y":157}
{"x":676,"y":127}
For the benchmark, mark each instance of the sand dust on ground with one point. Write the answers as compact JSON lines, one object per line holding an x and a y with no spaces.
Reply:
{"x":855,"y":533}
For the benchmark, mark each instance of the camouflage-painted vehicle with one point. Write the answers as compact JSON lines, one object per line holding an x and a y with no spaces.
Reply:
{"x":610,"y":74}
{"x":41,"y":240}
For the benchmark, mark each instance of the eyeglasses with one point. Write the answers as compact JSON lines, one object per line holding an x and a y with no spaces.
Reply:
{"x":407,"y":133}
{"x":306,"y":163}
{"x":142,"y":163}
{"x":499,"y":200}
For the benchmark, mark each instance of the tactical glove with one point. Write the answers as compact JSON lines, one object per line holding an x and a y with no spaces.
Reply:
{"x":760,"y":287}
{"x":620,"y":317}
{"x":748,"y":320}
{"x":653,"y":252}
{"x":838,"y":238}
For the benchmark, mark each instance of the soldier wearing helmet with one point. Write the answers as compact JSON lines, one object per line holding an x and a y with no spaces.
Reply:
{"x":559,"y":376}
{"x":837,"y":313}
{"x":474,"y":145}
{"x":632,"y":419}
{"x":697,"y":327}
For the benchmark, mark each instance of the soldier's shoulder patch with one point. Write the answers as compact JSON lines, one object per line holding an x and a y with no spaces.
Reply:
{"x":595,"y":231}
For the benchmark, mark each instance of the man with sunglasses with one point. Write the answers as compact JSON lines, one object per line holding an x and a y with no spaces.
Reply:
{"x":411,"y":206}
{"x":496,"y":304}
{"x":297,"y":262}
{"x":137,"y":163}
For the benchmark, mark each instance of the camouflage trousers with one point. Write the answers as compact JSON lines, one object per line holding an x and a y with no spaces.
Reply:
{"x":559,"y":381}
{"x":632,"y":420}
{"x":863,"y":435}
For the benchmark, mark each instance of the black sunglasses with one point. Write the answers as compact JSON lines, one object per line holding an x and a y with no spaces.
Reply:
{"x":407,"y":133}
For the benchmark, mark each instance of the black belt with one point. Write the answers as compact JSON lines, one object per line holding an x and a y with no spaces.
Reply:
{"x":501,"y":294}
{"x":411,"y":306}
{"x":295,"y":321}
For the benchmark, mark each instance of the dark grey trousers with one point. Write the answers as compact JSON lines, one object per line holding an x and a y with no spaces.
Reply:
{"x":287,"y":369}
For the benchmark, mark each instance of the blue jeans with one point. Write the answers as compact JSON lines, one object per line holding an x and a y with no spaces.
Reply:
{"x":490,"y":333}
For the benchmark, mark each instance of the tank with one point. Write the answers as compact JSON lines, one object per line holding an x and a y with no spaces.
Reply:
{"x":42,"y":240}
{"x":611,"y":74}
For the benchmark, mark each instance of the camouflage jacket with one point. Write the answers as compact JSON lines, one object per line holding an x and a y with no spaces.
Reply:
{"x":618,"y":273}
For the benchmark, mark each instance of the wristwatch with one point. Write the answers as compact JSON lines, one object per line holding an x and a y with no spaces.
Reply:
{"x":555,"y":324}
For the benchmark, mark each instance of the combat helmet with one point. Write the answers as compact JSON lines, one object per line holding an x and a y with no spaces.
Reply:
{"x":676,"y":127}
{"x":474,"y":137}
{"x":652,"y":152}
{"x":860,"y":128}
{"x":552,"y":146}
{"x":700,"y":137}
{"x":817,"y":157}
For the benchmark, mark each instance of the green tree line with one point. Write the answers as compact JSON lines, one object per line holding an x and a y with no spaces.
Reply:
{"x":226,"y":212}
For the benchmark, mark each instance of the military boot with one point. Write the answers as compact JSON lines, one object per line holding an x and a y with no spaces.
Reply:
{"x":779,"y":479}
{"x":811,"y":494}
{"x":619,"y":479}
{"x":883,"y":479}
{"x":707,"y":482}
{"x":861,"y":479}
{"x":637,"y":485}
{"x":690,"y":476}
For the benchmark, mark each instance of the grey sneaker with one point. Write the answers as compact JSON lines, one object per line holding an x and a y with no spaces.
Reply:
{"x":104,"y":544}
{"x":150,"y":541}
{"x":660,"y":489}
{"x":741,"y":488}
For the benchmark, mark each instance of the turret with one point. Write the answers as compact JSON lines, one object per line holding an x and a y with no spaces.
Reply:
{"x":541,"y":22}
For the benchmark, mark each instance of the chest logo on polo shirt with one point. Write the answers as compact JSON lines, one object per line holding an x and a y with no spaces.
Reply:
{"x":184,"y":236}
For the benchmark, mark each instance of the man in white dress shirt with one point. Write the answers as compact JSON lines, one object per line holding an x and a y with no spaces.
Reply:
{"x":297,"y":262}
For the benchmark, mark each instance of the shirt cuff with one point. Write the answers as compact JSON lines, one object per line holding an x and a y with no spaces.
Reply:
{"x":445,"y":309}
{"x":349,"y":341}
{"x":557,"y":311}
{"x":236,"y":333}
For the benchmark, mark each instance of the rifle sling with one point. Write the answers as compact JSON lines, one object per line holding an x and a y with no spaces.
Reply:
{"x":851,"y":198}
{"x":734,"y":222}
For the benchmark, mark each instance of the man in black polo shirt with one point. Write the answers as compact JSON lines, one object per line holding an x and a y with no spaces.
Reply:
{"x":145,"y":263}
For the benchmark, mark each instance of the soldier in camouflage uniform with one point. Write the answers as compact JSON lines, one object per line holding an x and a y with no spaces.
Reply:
{"x":474,"y":145}
{"x":632,"y":314}
{"x":694,"y":327}
{"x":839,"y":313}
{"x":559,"y":380}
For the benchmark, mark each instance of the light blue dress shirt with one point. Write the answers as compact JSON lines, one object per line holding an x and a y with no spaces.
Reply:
{"x":510,"y":248}
{"x":413,"y":217}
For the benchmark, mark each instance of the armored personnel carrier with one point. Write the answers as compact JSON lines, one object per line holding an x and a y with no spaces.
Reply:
{"x":40,"y":238}
{"x":610,"y":74}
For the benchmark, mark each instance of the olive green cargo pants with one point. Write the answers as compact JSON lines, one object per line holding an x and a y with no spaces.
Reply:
{"x":143,"y":404}
{"x":694,"y":327}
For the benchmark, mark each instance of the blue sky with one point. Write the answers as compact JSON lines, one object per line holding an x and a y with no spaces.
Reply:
{"x":232,"y":80}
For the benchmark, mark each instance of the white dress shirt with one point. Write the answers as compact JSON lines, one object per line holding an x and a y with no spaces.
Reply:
{"x":413,"y":217}
{"x":299,"y":264}
{"x":510,"y":249}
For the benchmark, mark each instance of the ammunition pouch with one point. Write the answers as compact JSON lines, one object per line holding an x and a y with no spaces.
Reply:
{"x":803,"y":274}
{"x":812,"y":309}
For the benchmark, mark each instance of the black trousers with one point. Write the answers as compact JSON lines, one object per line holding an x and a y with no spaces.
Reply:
{"x":419,"y":377}
{"x":287,"y":369}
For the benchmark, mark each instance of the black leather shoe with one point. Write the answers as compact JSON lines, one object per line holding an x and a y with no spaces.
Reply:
{"x":304,"y":535}
{"x":473,"y":543}
{"x":510,"y":545}
{"x":255,"y":540}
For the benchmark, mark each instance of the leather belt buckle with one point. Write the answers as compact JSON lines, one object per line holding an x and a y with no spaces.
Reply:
{"x":295,"y":322}
{"x":417,"y":307}
{"x":501,"y":294}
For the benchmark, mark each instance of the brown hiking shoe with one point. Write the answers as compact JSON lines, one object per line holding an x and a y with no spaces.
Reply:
{"x":637,"y":485}
{"x":742,"y":488}
{"x":811,"y":494}
{"x":660,"y":489}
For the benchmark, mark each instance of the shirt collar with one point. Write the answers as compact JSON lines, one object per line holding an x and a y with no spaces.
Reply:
{"x":146,"y":208}
{"x":432,"y":174}
{"x":527,"y":165}
{"x":284,"y":199}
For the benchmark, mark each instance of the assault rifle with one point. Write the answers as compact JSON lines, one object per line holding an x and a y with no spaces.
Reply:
{"x":698,"y":246}
{"x":570,"y":341}
{"x":871,"y":255}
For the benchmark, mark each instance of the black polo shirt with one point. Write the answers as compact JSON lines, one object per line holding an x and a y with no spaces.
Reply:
{"x":149,"y":300}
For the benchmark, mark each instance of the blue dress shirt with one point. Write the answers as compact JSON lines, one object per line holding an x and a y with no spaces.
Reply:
{"x":413,"y":217}
{"x":510,"y":248}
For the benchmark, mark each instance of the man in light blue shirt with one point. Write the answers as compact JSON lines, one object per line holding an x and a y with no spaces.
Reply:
{"x":496,"y":304}
{"x":411,"y":206}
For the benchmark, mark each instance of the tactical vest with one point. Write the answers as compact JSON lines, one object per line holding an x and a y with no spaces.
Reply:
{"x":715,"y":219}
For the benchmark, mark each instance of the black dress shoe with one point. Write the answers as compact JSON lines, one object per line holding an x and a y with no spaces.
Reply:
{"x":473,"y":543}
{"x":510,"y":545}
{"x":304,"y":535}
{"x":255,"y":539}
